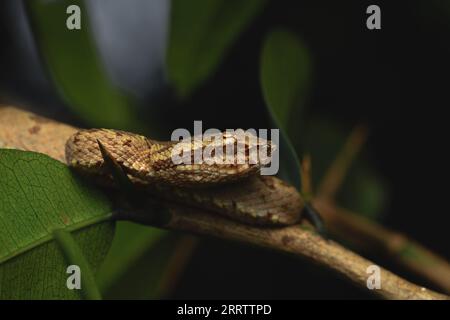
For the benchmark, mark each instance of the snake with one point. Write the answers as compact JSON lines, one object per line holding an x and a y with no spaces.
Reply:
{"x":234,"y":189}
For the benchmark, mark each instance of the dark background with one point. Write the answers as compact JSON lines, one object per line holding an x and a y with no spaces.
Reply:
{"x":395,"y":80}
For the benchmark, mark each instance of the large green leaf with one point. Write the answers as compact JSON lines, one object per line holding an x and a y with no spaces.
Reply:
{"x":285,"y":74}
{"x":76,"y":69}
{"x":201,"y":31}
{"x":39,"y":196}
{"x":74,"y":63}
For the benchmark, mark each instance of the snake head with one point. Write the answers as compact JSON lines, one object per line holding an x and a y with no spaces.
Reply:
{"x":220,"y":157}
{"x":206,"y":160}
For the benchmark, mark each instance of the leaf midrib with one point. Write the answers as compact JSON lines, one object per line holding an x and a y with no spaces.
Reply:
{"x":49,"y":237}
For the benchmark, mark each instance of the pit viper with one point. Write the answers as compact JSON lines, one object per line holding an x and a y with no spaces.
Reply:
{"x":235,"y":190}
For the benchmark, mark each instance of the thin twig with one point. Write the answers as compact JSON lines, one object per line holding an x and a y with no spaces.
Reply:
{"x":307,"y":187}
{"x":367,"y":235}
{"x":337,"y":171}
{"x":22,"y":130}
{"x":180,"y":257}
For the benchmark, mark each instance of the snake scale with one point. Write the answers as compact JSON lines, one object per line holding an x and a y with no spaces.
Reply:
{"x":235,"y":190}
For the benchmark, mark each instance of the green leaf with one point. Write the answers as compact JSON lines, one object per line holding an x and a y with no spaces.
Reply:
{"x":364,"y":191}
{"x":201,"y":32}
{"x":75,"y":67}
{"x":289,"y":170}
{"x":39,"y":195}
{"x":285,"y":74}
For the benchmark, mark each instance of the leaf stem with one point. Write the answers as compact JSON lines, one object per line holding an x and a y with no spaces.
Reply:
{"x":74,"y":255}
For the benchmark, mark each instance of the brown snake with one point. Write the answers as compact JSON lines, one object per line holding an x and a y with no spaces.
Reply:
{"x":235,"y":190}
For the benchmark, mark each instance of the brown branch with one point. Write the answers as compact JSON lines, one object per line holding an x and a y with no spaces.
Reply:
{"x":306,"y":176}
{"x":177,"y":262}
{"x":22,"y":130}
{"x":302,"y":243}
{"x":367,"y":235}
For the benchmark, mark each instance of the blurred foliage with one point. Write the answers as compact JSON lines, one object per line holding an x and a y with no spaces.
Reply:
{"x":131,"y":241}
{"x":201,"y":32}
{"x":285,"y":76}
{"x":39,"y":195}
{"x":285,"y":73}
{"x":146,"y":277}
{"x":363,"y":190}
{"x":73,"y":63}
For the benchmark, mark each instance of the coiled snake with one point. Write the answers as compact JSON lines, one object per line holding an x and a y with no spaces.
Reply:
{"x":234,"y":190}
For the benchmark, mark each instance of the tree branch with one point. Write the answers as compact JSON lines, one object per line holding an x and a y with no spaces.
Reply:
{"x":368,"y":235}
{"x":22,"y":130}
